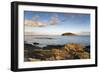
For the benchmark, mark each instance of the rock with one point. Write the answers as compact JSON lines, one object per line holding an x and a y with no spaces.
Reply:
{"x":28,"y":46}
{"x":83,"y":55}
{"x":33,"y":59}
{"x":60,"y":54}
{"x":53,"y":46}
{"x":87,"y":49}
{"x":55,"y":52}
{"x":28,"y":50}
{"x":35,"y":43}
{"x":76,"y":51}
{"x":74,"y":47}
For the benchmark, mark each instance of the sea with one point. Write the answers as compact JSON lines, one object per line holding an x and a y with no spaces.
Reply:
{"x":44,"y":40}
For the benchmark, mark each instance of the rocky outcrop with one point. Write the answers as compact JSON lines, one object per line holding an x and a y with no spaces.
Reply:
{"x":77,"y":50}
{"x":66,"y":52}
{"x":70,"y":51}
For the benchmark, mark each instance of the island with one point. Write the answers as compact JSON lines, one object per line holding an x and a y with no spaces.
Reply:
{"x":69,"y":34}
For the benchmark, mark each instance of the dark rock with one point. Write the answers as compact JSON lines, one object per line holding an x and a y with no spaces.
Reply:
{"x":87,"y":49}
{"x":28,"y":48}
{"x":35,"y":43}
{"x":53,"y":46}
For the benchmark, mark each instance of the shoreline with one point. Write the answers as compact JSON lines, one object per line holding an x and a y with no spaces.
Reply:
{"x":55,"y":52}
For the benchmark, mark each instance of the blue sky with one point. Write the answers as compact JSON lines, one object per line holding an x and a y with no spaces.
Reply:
{"x":54,"y":23}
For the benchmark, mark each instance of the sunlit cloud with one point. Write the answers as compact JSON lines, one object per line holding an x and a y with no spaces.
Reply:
{"x":35,"y":23}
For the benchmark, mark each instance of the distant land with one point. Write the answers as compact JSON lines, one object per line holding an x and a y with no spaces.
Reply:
{"x":69,"y":34}
{"x":62,"y":34}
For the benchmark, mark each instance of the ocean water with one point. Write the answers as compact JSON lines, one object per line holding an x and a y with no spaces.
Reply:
{"x":45,"y":40}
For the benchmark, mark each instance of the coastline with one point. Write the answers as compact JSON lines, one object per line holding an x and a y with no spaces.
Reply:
{"x":69,"y":51}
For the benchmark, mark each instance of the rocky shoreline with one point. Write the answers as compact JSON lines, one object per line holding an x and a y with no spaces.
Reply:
{"x":55,"y":52}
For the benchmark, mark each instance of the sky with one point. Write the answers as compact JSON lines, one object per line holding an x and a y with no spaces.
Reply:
{"x":54,"y":23}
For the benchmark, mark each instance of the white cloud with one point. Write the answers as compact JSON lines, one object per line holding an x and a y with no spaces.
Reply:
{"x":53,"y":20}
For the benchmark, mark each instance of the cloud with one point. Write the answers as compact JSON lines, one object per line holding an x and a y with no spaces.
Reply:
{"x":35,"y":23}
{"x":54,"y":20}
{"x":35,"y":18}
{"x":84,"y":33}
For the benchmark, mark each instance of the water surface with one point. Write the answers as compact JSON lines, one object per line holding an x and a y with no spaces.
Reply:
{"x":45,"y":40}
